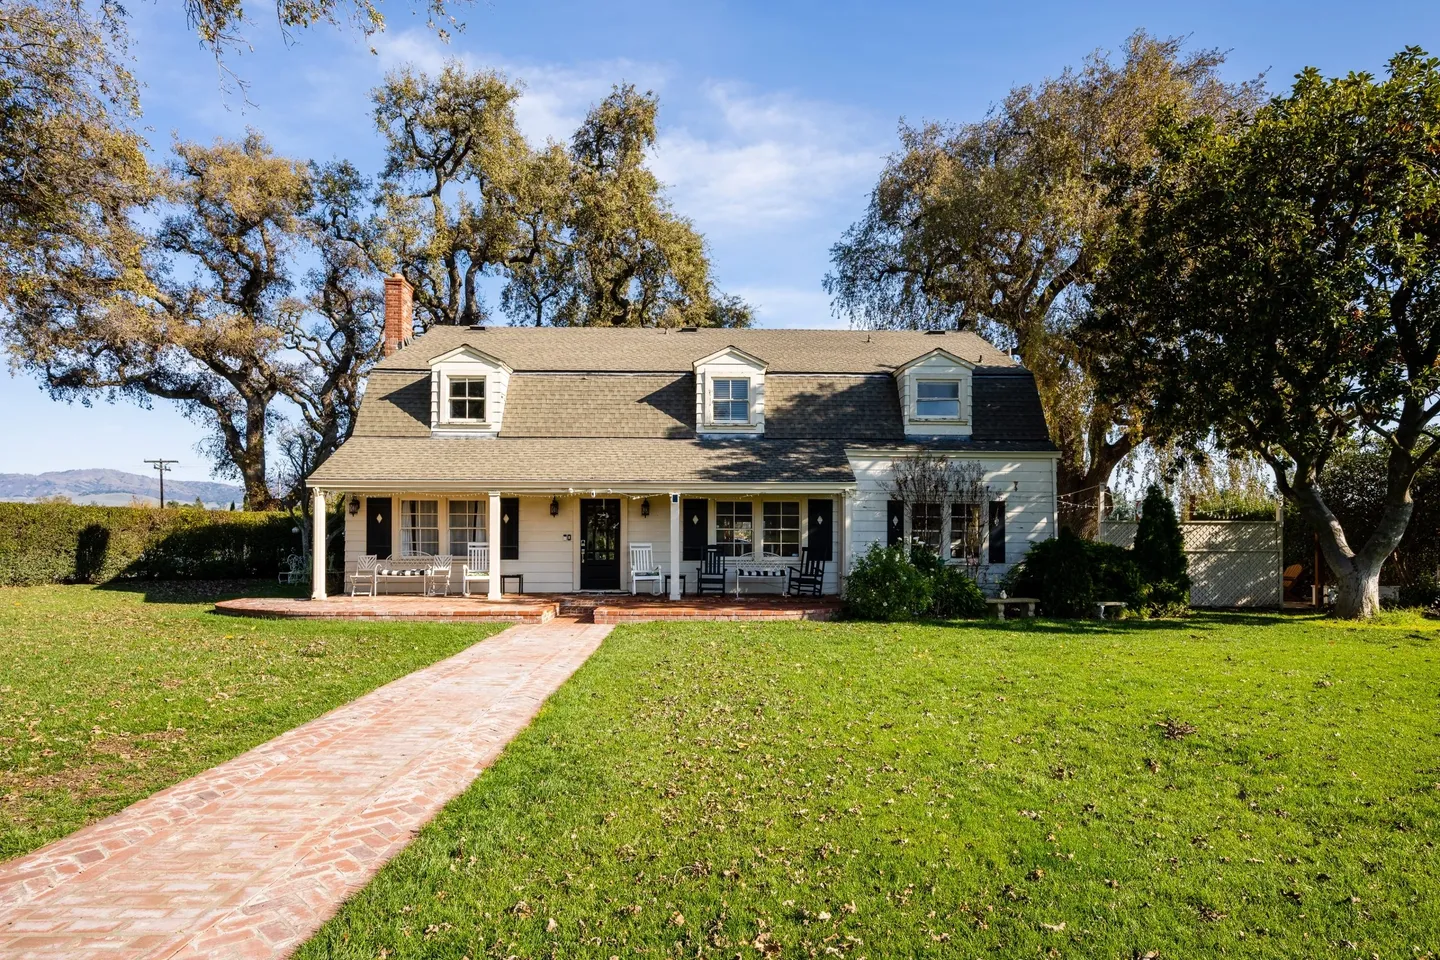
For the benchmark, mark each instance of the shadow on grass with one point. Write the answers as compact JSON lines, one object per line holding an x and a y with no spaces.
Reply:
{"x":202,"y":591}
{"x":1200,"y":620}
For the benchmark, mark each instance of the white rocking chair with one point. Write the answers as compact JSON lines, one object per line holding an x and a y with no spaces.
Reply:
{"x":477,"y":566}
{"x":644,"y":567}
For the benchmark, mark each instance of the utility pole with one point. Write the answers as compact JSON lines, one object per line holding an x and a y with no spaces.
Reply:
{"x":163,"y":466}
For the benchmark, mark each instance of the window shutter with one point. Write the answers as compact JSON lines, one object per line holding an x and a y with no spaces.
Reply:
{"x":821,"y":533}
{"x":894,"y":522}
{"x":695,"y":518}
{"x":509,"y":528}
{"x":997,"y":531}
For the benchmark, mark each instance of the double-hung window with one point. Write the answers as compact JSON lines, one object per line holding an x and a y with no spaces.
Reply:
{"x":925,"y":525}
{"x":467,"y":399}
{"x":937,"y":399}
{"x":467,"y":525}
{"x":731,"y":401}
{"x":419,"y":527}
{"x":781,"y":535}
{"x":734,"y":527}
{"x":965,"y":532}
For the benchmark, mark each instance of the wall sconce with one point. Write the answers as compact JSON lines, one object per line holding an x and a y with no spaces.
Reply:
{"x":354,"y":505}
{"x":645,"y":507}
{"x":554,"y":507}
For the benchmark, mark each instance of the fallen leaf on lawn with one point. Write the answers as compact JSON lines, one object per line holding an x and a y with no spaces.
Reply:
{"x":1054,"y":927}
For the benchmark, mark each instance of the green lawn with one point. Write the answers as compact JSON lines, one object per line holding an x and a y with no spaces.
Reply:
{"x":1246,"y":786}
{"x":108,"y":695}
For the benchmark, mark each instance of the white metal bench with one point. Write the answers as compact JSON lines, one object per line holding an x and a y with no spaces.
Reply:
{"x":769,"y":568}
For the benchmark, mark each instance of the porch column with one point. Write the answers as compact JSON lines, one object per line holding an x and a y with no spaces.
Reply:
{"x":675,"y":534}
{"x":317,"y":543}
{"x":492,"y":519}
{"x":847,"y":516}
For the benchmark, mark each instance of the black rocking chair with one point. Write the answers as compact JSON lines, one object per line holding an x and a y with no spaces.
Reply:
{"x":711,"y":576}
{"x":808,"y":578}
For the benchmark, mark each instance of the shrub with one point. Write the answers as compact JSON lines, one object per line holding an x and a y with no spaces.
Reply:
{"x":1159,"y":553}
{"x":1070,"y":575}
{"x":885,"y":585}
{"x":1423,"y":591}
{"x":59,"y":543}
{"x":956,"y":595}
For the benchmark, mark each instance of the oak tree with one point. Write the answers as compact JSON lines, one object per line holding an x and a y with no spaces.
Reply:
{"x":1280,"y":290}
{"x":1000,"y":226}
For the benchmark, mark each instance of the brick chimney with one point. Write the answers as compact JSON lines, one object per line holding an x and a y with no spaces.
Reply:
{"x":399,"y":313}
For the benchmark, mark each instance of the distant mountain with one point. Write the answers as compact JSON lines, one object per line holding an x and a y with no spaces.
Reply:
{"x":114,"y":488}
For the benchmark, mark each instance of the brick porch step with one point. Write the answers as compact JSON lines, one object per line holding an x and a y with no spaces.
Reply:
{"x":509,"y":610}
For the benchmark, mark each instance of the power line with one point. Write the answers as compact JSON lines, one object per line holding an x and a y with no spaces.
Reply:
{"x":163,"y":465}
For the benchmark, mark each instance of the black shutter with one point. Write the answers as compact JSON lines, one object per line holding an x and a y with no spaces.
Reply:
{"x":379,"y":514}
{"x":997,"y":531}
{"x":894,"y":522}
{"x":695,"y":518}
{"x":820,"y":535}
{"x":509,"y":528}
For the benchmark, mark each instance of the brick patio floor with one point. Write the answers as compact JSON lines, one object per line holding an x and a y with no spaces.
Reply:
{"x":248,"y":859}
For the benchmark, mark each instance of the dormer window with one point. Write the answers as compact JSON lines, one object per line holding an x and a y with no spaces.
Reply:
{"x":731,"y":401}
{"x":937,"y":399}
{"x":467,"y":399}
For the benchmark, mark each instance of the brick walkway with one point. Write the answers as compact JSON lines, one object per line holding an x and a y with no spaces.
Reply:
{"x":250,"y":858}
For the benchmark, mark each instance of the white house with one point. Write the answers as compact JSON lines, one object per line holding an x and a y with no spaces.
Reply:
{"x":559,"y":447}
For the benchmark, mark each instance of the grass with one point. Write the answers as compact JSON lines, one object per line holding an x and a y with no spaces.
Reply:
{"x":108,"y":695}
{"x":1227,"y":785}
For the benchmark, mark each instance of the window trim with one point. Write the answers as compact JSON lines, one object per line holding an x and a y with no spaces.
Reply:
{"x":959,"y":400}
{"x":765,"y":528}
{"x":449,"y":381}
{"x":727,"y":548}
{"x":714,"y":382}
{"x":914,"y":537}
{"x":480,"y":529}
{"x":404,"y":520}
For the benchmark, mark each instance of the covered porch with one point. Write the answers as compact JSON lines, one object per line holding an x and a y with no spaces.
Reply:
{"x":561,"y":541}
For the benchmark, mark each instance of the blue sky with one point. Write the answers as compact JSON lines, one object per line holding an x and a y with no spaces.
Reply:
{"x":775,"y":119}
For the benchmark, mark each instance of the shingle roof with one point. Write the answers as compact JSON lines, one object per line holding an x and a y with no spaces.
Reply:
{"x":576,"y":405}
{"x":396,"y":404}
{"x":569,"y":461}
{"x":1007,"y":407}
{"x":839,"y":408}
{"x":650,"y":350}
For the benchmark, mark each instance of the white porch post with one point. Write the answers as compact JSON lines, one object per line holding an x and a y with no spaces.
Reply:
{"x":847,"y":546}
{"x":675,"y":535}
{"x":317,"y":543}
{"x":492,"y":518}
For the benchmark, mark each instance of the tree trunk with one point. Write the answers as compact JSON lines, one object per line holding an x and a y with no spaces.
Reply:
{"x":1356,"y":575}
{"x":251,"y":460}
{"x":1357,"y":590}
{"x":1081,"y":492}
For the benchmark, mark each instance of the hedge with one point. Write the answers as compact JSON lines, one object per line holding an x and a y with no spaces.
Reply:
{"x":65,"y":543}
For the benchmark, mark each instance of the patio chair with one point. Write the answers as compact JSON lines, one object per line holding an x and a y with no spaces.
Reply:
{"x":644,"y":567}
{"x":364,"y":575}
{"x":711,"y":576}
{"x":293,"y":569}
{"x":437,"y":577}
{"x":477,"y":566}
{"x":808,"y":578}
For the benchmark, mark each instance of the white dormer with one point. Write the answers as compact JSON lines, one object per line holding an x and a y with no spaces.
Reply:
{"x":467,"y":393}
{"x":935,"y":394}
{"x":730,"y":394}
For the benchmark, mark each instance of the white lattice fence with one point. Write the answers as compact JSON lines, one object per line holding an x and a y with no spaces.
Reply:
{"x":1233,"y":563}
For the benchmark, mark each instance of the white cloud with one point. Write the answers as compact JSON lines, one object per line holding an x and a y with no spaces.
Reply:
{"x":741,"y":162}
{"x":554,"y":98}
{"x":768,"y":160}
